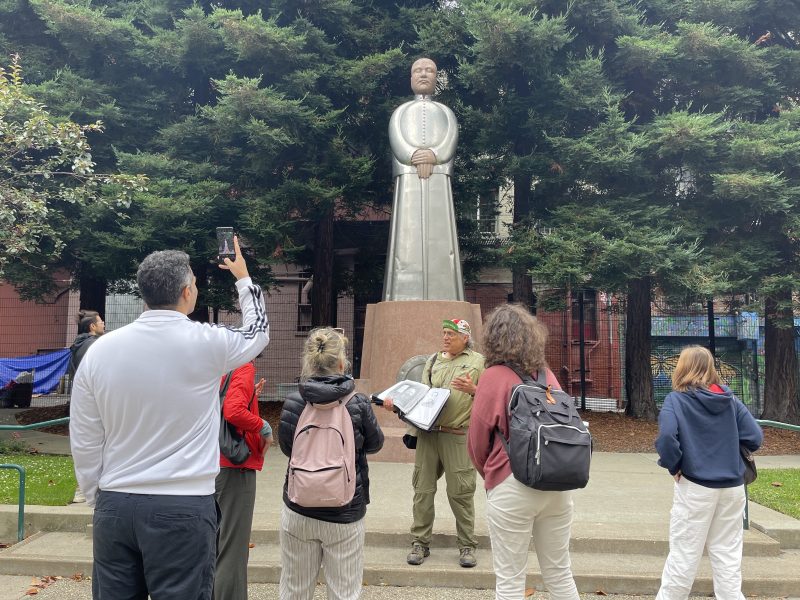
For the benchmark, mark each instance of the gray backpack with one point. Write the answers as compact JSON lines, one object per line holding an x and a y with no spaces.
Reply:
{"x":549,"y":446}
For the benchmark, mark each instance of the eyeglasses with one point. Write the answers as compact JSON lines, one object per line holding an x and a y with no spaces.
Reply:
{"x":338,"y":330}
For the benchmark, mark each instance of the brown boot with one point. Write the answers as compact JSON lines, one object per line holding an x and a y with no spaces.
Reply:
{"x":418,"y":554}
{"x":467,"y":557}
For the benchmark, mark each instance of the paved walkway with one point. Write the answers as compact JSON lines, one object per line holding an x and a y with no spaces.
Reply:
{"x":46,"y":443}
{"x":72,"y":590}
{"x":626,"y":503}
{"x":628,"y":493}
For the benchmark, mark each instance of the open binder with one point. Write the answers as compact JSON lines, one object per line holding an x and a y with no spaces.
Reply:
{"x":416,"y":403}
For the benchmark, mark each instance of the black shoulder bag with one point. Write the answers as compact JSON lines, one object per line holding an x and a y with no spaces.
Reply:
{"x":231,"y":445}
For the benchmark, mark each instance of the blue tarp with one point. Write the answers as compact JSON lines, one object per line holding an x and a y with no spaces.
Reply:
{"x":49,"y":369}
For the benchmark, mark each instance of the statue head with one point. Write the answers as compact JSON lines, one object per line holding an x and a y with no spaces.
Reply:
{"x":423,"y":77}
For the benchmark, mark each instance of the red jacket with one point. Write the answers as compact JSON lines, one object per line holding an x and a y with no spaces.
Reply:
{"x":241,"y":410}
{"x":490,"y":410}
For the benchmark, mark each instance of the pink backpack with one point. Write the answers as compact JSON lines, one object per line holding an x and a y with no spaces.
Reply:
{"x":322,"y":468}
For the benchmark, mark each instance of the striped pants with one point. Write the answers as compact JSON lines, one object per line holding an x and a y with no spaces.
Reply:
{"x":308,"y":544}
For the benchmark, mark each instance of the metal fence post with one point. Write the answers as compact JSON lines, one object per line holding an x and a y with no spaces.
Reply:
{"x":21,"y":470}
{"x":21,"y":500}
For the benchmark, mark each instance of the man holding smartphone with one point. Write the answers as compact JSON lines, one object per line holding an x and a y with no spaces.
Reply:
{"x":144,"y":433}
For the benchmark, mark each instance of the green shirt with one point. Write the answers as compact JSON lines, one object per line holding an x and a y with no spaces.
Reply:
{"x":457,"y":410}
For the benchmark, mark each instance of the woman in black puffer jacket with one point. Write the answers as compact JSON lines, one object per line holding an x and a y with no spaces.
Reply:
{"x":331,"y":537}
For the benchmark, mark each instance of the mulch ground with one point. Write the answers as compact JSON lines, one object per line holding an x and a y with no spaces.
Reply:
{"x":612,"y":432}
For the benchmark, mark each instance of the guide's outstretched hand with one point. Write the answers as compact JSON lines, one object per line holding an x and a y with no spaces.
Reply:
{"x":464,"y":384}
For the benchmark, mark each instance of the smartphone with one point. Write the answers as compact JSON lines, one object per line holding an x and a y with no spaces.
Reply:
{"x":225,"y":244}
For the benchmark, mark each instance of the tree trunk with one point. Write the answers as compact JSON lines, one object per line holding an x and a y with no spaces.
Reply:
{"x":638,"y":374}
{"x":322,"y":296}
{"x":780,"y":376}
{"x":522,"y":284}
{"x":93,"y":294}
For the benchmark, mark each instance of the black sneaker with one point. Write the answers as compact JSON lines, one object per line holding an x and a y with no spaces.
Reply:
{"x":418,"y":554}
{"x":467,"y":558}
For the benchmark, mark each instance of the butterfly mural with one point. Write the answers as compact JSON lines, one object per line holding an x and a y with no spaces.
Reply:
{"x":662,"y":366}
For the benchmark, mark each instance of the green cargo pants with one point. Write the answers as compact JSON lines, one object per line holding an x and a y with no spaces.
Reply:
{"x":443,"y":453}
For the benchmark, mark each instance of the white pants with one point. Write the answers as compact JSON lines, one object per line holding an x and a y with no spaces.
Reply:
{"x":701,"y":517}
{"x":308,"y":544}
{"x":514,"y":512}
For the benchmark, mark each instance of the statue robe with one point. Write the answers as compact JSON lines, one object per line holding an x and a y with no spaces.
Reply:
{"x":423,"y":261}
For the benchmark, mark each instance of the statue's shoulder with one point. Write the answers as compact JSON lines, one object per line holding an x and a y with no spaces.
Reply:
{"x":404,"y":106}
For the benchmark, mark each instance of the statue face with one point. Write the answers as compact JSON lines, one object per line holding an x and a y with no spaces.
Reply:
{"x":423,"y":77}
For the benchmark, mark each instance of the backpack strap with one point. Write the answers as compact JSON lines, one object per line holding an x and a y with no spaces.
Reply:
{"x":526,"y":379}
{"x":541,"y":380}
{"x":502,"y":440}
{"x":328,"y":405}
{"x":541,"y":377}
{"x":346,"y":399}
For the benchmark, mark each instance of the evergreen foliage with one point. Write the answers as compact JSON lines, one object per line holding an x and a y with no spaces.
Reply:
{"x":651,"y":145}
{"x":47,"y":176}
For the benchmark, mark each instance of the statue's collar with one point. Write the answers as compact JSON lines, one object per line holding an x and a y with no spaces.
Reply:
{"x":422,"y":97}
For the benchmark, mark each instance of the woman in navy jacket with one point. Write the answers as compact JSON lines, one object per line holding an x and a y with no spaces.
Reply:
{"x":700,"y":428}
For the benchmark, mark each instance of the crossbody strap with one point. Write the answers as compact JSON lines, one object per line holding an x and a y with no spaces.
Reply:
{"x":432,"y":358}
{"x":224,"y":391}
{"x":541,"y":380}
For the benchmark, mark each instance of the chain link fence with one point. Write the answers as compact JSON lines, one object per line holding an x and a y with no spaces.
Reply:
{"x":42,"y":328}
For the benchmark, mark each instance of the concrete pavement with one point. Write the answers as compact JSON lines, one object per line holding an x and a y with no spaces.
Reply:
{"x":46,"y":443}
{"x":619,"y":535}
{"x":82,"y":590}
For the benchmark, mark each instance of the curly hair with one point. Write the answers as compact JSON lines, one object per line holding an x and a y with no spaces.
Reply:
{"x":324,"y":350}
{"x":513,"y":335}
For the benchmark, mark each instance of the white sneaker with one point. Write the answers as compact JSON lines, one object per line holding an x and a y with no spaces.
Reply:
{"x":79,"y":497}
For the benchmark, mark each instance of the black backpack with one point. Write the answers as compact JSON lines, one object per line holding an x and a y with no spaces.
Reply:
{"x":549,"y":446}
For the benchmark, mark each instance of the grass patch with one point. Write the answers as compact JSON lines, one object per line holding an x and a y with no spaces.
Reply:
{"x":784,"y":498}
{"x":49,"y":479}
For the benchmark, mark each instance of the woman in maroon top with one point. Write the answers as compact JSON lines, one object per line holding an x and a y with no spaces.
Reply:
{"x":511,"y":335}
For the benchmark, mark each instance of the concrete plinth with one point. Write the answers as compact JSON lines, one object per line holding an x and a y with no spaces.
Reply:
{"x":395,"y":331}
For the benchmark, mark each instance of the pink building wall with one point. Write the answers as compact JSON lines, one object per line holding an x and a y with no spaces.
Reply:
{"x":29,"y":327}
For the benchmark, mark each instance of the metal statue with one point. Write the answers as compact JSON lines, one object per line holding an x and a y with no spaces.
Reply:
{"x":423,"y":261}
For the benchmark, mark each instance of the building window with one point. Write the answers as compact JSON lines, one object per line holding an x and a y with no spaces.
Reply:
{"x":487,"y":212}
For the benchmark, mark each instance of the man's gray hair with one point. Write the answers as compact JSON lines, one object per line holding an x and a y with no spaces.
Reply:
{"x":162,"y":276}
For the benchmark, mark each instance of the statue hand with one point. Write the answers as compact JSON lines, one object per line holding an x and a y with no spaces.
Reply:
{"x":424,"y":170}
{"x":423,"y":156}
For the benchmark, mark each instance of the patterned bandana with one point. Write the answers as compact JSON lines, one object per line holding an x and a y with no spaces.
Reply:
{"x":459,"y":325}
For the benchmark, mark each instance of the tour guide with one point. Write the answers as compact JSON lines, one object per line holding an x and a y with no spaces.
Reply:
{"x":444,"y":448}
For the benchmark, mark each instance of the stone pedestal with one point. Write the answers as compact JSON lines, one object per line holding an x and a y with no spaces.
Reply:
{"x":395,"y":331}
